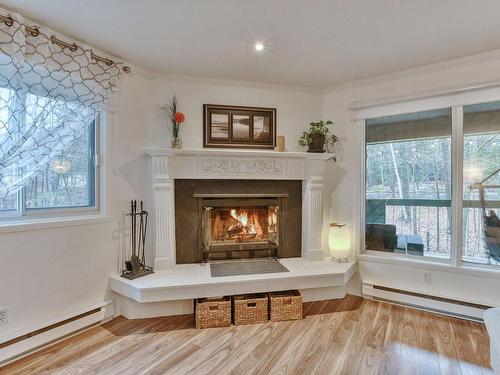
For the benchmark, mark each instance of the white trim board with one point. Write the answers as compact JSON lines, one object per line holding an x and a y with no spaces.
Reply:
{"x":429,"y":304}
{"x":39,"y":341}
{"x":422,"y":70}
{"x":426,"y":100}
{"x":108,"y":304}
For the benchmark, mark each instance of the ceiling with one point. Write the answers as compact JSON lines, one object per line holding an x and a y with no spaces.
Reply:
{"x":314,"y":43}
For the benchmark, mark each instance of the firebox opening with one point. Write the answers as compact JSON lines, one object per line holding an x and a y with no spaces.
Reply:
{"x":257,"y":225}
{"x":219,"y":220}
{"x":240,"y":225}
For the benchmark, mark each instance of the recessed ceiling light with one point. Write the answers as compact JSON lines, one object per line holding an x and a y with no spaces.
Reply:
{"x":259,"y":46}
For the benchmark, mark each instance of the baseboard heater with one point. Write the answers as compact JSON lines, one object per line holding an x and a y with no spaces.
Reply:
{"x":31,"y":342}
{"x":440,"y":305}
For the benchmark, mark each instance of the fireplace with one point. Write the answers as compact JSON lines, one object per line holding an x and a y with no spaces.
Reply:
{"x":247,"y":226}
{"x":237,"y":219}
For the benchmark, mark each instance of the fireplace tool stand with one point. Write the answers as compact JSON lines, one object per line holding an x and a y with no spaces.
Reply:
{"x":136,"y":266}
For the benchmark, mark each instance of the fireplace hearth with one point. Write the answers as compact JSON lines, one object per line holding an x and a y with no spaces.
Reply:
{"x":235,"y":219}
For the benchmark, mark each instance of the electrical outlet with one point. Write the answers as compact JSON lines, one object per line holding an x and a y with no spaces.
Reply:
{"x":4,"y":316}
{"x":427,"y":278}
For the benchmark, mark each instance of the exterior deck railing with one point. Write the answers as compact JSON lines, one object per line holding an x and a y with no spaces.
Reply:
{"x":430,"y":219}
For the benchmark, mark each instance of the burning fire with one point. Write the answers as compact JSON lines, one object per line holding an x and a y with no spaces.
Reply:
{"x":244,"y":224}
{"x":242,"y":218}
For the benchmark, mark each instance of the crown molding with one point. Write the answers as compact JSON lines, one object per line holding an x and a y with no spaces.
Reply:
{"x":421,"y":70}
{"x":236,"y":83}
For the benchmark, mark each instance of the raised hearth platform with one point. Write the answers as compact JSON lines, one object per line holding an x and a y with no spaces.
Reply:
{"x":189,"y":281}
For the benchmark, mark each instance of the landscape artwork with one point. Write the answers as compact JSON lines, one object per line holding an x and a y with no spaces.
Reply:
{"x":261,"y":128}
{"x":241,"y":127}
{"x":219,"y":126}
{"x":231,"y":126}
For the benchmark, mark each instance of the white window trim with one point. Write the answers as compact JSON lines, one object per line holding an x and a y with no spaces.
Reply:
{"x":455,"y":99}
{"x":38,"y":219}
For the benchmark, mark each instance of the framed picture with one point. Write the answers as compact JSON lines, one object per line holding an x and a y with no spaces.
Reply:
{"x":239,"y":127}
{"x":219,"y":126}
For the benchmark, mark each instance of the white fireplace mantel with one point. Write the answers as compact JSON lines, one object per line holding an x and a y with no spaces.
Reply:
{"x":170,"y":164}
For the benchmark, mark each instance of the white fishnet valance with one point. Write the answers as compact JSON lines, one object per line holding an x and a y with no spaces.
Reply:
{"x":48,"y":95}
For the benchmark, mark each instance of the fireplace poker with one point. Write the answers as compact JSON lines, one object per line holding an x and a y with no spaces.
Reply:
{"x":134,"y":259}
{"x":145,"y":214}
{"x":136,"y":266}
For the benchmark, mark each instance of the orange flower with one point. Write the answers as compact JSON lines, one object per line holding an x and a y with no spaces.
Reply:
{"x":179,"y":117}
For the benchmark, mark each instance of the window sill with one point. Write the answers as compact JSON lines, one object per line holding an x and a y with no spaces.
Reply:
{"x":435,"y":264}
{"x":30,"y":224}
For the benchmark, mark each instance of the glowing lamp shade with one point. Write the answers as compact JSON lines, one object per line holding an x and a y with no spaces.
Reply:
{"x":339,"y":242}
{"x":61,"y":166}
{"x":473,"y":174}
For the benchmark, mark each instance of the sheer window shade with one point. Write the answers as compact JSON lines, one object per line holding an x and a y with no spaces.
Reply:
{"x":48,"y":96}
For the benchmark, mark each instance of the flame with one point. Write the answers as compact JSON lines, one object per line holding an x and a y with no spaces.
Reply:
{"x":218,"y":226}
{"x":242,"y":217}
{"x":258,"y":228}
{"x":242,"y":224}
{"x":272,"y":219}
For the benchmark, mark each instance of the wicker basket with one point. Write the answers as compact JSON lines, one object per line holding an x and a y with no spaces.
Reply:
{"x":250,"y":309}
{"x":213,"y":312}
{"x":285,"y":305}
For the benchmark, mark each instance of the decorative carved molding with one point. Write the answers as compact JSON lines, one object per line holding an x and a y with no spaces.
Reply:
{"x":242,"y":166}
{"x":160,"y":168}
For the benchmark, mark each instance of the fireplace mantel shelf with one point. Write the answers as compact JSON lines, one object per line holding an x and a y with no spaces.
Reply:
{"x":239,"y":152}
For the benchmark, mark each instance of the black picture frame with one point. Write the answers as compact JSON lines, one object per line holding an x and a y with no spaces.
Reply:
{"x":229,"y":126}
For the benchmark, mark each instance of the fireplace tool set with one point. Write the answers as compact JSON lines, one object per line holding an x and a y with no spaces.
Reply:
{"x":136,"y":266}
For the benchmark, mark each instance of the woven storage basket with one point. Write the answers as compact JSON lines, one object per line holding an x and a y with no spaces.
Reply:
{"x":285,"y":305}
{"x":213,"y":312}
{"x":250,"y":309}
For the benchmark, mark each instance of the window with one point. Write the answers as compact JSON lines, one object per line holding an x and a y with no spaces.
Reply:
{"x":409,"y":186}
{"x":68,"y":183}
{"x":481,"y":160}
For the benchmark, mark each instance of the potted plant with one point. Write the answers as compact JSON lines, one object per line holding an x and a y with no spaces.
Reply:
{"x":317,"y":136}
{"x":175,"y":118}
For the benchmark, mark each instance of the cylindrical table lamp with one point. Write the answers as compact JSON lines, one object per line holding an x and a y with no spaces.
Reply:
{"x":339,"y":242}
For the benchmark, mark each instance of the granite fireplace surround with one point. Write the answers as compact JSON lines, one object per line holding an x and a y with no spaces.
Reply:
{"x":197,"y":202}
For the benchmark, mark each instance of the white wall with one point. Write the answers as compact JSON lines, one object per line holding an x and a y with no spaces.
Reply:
{"x":346,"y":173}
{"x":51,"y":274}
{"x":295,"y":107}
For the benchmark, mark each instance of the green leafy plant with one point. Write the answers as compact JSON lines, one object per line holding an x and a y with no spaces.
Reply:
{"x":318,"y":128}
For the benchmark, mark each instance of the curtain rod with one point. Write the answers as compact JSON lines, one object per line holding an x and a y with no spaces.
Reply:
{"x":33,"y":31}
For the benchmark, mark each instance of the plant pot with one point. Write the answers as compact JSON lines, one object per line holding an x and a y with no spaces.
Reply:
{"x":177,"y":142}
{"x":317,"y":143}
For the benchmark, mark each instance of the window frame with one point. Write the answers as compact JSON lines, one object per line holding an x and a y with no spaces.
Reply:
{"x":24,"y":214}
{"x":455,"y":101}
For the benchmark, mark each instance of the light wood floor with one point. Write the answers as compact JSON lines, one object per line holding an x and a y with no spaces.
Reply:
{"x":349,"y":336}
